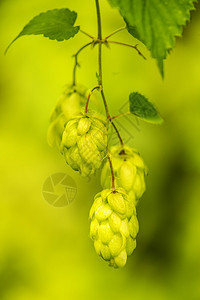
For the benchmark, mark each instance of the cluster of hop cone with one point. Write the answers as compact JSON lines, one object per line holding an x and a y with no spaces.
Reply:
{"x":82,"y":138}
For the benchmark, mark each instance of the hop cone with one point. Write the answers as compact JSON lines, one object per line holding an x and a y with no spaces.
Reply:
{"x":84,"y":143}
{"x":114,"y":226}
{"x":70,"y":103}
{"x":129,"y":171}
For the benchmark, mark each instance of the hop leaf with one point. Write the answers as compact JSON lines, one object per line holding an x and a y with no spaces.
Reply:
{"x":144,"y":109}
{"x":56,"y":24}
{"x":155,"y":23}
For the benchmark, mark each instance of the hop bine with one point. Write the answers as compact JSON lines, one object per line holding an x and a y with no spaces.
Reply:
{"x":84,"y":143}
{"x":129,"y":171}
{"x":114,"y":226}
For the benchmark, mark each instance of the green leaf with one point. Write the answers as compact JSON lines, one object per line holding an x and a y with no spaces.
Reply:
{"x":156,"y":23}
{"x":133,"y":31}
{"x":141,"y":107}
{"x":56,"y":24}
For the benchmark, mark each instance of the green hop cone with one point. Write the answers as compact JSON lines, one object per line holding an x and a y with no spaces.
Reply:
{"x":70,"y":103}
{"x":113,"y":226}
{"x":84,"y":143}
{"x":129,"y":171}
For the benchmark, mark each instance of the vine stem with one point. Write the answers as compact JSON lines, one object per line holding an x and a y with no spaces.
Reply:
{"x":76,"y":60}
{"x":98,"y":20}
{"x":127,"y":45}
{"x":112,"y":172}
{"x":88,"y":98}
{"x":100,"y":45}
{"x":121,"y":115}
{"x":114,"y":32}
{"x":118,"y":134}
{"x":100,"y":41}
{"x":87,"y":34}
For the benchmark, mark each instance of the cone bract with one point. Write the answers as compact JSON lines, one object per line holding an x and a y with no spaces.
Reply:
{"x":129,"y":171}
{"x":113,"y":226}
{"x":84,"y":143}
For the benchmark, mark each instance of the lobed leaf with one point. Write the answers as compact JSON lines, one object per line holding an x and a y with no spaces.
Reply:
{"x":56,"y":24}
{"x":156,"y":23}
{"x":141,"y":107}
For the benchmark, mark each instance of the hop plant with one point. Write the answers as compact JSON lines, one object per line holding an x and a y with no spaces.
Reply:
{"x":84,"y":143}
{"x":82,"y":137}
{"x":70,"y":103}
{"x":129,"y":171}
{"x":113,"y":226}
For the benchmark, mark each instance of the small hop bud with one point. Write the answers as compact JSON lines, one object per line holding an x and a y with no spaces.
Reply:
{"x":113,"y":226}
{"x":129,"y":170}
{"x":84,"y":143}
{"x":70,"y":103}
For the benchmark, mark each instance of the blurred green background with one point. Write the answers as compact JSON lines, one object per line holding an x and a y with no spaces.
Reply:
{"x":45,"y":252}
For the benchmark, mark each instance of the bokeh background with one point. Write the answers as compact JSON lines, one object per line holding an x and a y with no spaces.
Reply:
{"x":45,"y":252}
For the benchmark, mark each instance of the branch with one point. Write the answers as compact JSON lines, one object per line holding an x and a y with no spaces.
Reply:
{"x":112,"y":172}
{"x":76,"y":64}
{"x":88,"y":98}
{"x":90,"y":36}
{"x":128,"y":45}
{"x":114,"y":32}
